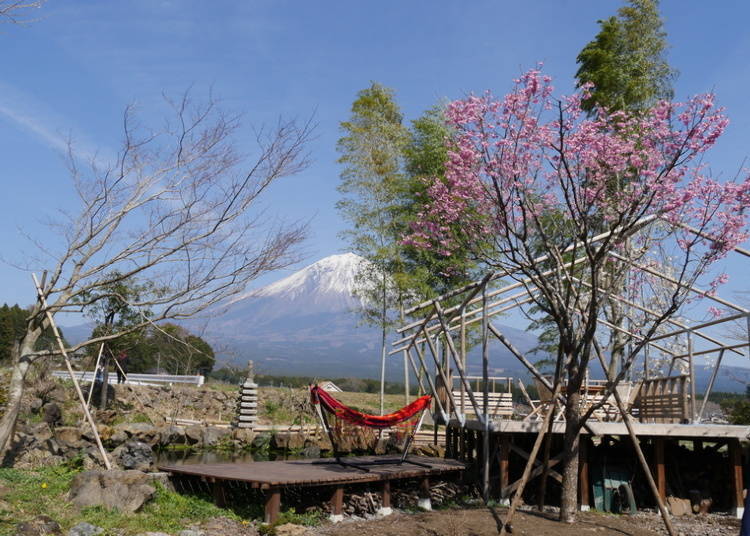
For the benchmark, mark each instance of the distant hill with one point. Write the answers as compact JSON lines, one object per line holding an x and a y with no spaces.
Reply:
{"x":307,"y":324}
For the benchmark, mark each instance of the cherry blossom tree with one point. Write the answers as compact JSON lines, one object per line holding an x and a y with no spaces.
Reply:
{"x":531,"y":173}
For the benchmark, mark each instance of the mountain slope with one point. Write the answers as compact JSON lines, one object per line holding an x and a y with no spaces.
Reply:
{"x":307,"y":323}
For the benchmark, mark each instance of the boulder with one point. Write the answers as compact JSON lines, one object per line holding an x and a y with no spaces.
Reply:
{"x":141,"y":431}
{"x":127,"y":491}
{"x":35,"y":405}
{"x":85,"y":529}
{"x":193,"y":434}
{"x":678,"y":506}
{"x":69,"y":436}
{"x":191,"y":532}
{"x":212,"y":435}
{"x":52,"y":414}
{"x":244,"y":436}
{"x":311,"y":451}
{"x":288,"y":440}
{"x":171,"y":435}
{"x":40,"y":432}
{"x":39,"y":526}
{"x":134,"y":455}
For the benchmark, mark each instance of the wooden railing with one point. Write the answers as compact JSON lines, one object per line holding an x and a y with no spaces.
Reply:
{"x":664,"y":400}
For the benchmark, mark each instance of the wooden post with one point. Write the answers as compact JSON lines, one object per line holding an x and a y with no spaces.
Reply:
{"x":735,"y":467}
{"x":273,"y":505}
{"x":385,"y":508}
{"x":424,"y":494}
{"x":337,"y":504}
{"x":583,"y":474}
{"x":504,"y":465}
{"x":661,"y":475}
{"x":219,"y":492}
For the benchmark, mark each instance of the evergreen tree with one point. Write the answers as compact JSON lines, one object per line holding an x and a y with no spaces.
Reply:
{"x":371,"y":152}
{"x":626,"y":60}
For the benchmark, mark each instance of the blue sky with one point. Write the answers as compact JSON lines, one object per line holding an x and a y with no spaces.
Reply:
{"x":71,"y":73}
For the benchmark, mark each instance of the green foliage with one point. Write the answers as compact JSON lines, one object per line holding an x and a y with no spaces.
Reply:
{"x":626,"y":62}
{"x":372,"y":178}
{"x":44,"y":491}
{"x":12,"y":328}
{"x":229,"y":374}
{"x":308,"y":519}
{"x":736,"y":407}
{"x":354,"y":385}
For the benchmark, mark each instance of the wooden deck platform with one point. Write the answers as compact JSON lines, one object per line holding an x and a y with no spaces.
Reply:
{"x":273,"y":476}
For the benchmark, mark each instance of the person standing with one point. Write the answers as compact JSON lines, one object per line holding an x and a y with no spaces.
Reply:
{"x":122,"y":369}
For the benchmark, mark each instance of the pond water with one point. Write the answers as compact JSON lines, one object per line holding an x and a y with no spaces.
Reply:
{"x":189,"y":456}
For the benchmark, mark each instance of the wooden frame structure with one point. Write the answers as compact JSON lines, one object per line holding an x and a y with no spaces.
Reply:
{"x":435,"y":347}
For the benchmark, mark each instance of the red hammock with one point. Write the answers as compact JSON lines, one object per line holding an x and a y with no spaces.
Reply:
{"x":353,"y":416}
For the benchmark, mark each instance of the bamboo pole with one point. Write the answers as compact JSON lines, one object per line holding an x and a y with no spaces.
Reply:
{"x":529,"y":465}
{"x":636,"y":444}
{"x":61,"y":346}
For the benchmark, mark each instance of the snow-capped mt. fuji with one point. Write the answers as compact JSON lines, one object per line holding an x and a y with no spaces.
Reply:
{"x":324,"y":286}
{"x":305,"y":323}
{"x":308,"y":324}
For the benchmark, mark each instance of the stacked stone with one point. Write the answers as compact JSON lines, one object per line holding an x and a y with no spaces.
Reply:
{"x":247,"y":403}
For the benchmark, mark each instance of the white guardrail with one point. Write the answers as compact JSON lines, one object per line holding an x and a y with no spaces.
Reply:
{"x":134,"y":379}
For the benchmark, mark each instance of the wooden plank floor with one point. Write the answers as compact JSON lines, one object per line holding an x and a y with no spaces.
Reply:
{"x":308,"y":473}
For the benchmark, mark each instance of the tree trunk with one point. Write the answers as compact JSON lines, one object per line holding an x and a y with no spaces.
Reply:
{"x":569,"y":501}
{"x":21,"y":366}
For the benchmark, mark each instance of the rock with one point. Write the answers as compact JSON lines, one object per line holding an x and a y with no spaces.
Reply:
{"x":290,"y":529}
{"x":39,"y":526}
{"x":125,"y":490}
{"x":85,"y":529}
{"x":212,"y":435}
{"x":244,"y":436}
{"x":678,"y":506}
{"x":171,"y":435}
{"x":141,"y":431}
{"x":52,"y":414}
{"x":193,"y":434}
{"x":134,"y":455}
{"x":40,"y":432}
{"x":69,"y":436}
{"x":288,"y":440}
{"x":163,"y":479}
{"x":35,"y":405}
{"x":191,"y":532}
{"x":311,"y":451}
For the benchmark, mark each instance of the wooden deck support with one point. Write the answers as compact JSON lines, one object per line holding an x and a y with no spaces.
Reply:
{"x":424,"y":494}
{"x":504,"y":466}
{"x":337,"y":504}
{"x":583,"y":474}
{"x":659,"y":469}
{"x":273,"y":505}
{"x":219,"y":493}
{"x":735,"y":467}
{"x":385,"y":508}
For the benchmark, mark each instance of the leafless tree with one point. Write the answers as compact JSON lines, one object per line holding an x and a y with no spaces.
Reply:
{"x":17,"y":11}
{"x":178,"y":207}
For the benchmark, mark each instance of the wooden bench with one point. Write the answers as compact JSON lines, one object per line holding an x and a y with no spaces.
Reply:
{"x":499,"y":404}
{"x":664,"y":400}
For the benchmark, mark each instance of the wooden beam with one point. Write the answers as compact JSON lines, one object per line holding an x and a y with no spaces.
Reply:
{"x":583,"y":473}
{"x":735,"y":468}
{"x":661,"y":474}
{"x":386,"y":494}
{"x":337,"y":501}
{"x":273,"y":505}
{"x":219,"y":493}
{"x":504,"y":464}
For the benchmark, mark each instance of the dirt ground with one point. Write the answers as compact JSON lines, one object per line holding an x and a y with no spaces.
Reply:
{"x":479,"y":522}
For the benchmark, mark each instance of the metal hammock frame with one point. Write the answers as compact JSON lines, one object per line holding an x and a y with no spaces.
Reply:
{"x":361,"y":465}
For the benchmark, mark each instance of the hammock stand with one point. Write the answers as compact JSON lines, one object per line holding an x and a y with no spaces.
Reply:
{"x":324,"y":401}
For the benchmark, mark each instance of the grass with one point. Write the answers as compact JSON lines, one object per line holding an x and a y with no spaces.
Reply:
{"x":44,"y":491}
